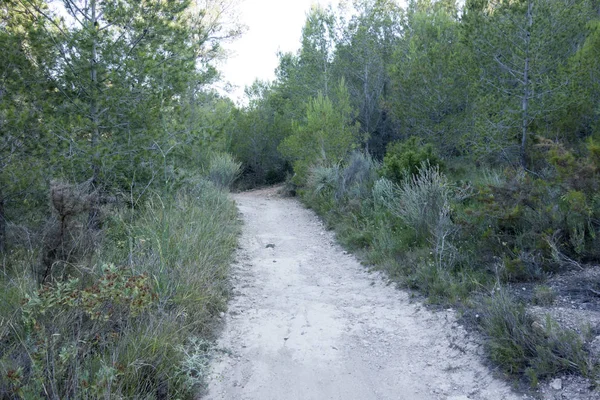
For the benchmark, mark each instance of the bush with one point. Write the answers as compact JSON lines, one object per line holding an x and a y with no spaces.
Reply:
{"x":327,"y":136}
{"x":404,"y":159}
{"x":126,"y":332}
{"x":535,"y":223}
{"x":323,"y":181}
{"x":422,"y":201}
{"x":544,"y":296}
{"x":450,"y":241}
{"x":358,"y":177}
{"x":522,"y":345}
{"x":384,"y":193}
{"x":347,"y":186}
{"x":223,"y":170}
{"x":68,"y":238}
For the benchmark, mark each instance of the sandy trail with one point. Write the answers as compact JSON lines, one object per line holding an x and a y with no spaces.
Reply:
{"x":307,"y":321}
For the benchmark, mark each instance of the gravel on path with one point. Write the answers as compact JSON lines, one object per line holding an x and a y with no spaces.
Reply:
{"x":308,"y":321}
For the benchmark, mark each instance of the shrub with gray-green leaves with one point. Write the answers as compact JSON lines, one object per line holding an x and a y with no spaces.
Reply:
{"x":522,"y":345}
{"x":422,"y":200}
{"x":324,"y":180}
{"x":358,"y":177}
{"x":223,"y":170}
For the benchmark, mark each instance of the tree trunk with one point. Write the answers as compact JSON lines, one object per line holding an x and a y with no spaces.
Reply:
{"x":2,"y":225}
{"x":366,"y":107}
{"x":526,"y":88}
{"x":93,"y":217}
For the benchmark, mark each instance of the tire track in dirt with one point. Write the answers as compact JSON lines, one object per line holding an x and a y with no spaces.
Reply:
{"x":307,"y":321}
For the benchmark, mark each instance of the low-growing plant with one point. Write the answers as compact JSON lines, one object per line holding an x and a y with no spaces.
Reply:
{"x":69,"y":331}
{"x":196,"y":361}
{"x":404,"y":159}
{"x":357,"y":177}
{"x":422,"y":201}
{"x":544,"y":295}
{"x":324,"y":181}
{"x":124,"y":332}
{"x":223,"y":170}
{"x":522,"y":345}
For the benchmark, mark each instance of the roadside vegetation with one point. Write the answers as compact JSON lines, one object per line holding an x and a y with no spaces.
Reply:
{"x":464,"y":244}
{"x":455,"y":147}
{"x":116,"y":227}
{"x":133,"y":316}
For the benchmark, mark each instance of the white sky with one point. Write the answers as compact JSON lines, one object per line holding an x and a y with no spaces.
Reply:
{"x":273,"y":25}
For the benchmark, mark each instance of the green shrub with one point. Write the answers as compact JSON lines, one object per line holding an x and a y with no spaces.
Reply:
{"x":534,"y":223}
{"x":384,"y":193}
{"x":449,"y":241}
{"x":357,"y":177}
{"x":422,"y":201}
{"x":544,"y":295}
{"x":327,"y":135}
{"x":404,"y":159}
{"x":323,"y":181}
{"x":69,"y":331}
{"x":223,"y":170}
{"x":274,"y":176}
{"x":126,"y":332}
{"x":522,"y":345}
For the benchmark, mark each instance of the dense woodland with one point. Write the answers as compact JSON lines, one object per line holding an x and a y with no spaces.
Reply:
{"x":457,"y":147}
{"x":493,"y":83}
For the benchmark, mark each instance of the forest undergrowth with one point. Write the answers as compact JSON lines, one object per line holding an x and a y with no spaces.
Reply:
{"x":127,"y":311}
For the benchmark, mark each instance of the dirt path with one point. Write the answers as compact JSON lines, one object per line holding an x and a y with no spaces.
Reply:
{"x":307,"y":321}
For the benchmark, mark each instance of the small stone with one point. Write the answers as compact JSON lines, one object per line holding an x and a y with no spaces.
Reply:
{"x":538,"y":327}
{"x":556,"y":384}
{"x":270,"y":246}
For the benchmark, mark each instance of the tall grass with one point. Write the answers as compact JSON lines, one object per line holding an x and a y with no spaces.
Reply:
{"x":186,"y":244}
{"x":358,"y":177}
{"x":134,"y":323}
{"x":323,"y":181}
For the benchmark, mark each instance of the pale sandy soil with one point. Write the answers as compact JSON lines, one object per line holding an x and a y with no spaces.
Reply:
{"x":307,"y":321}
